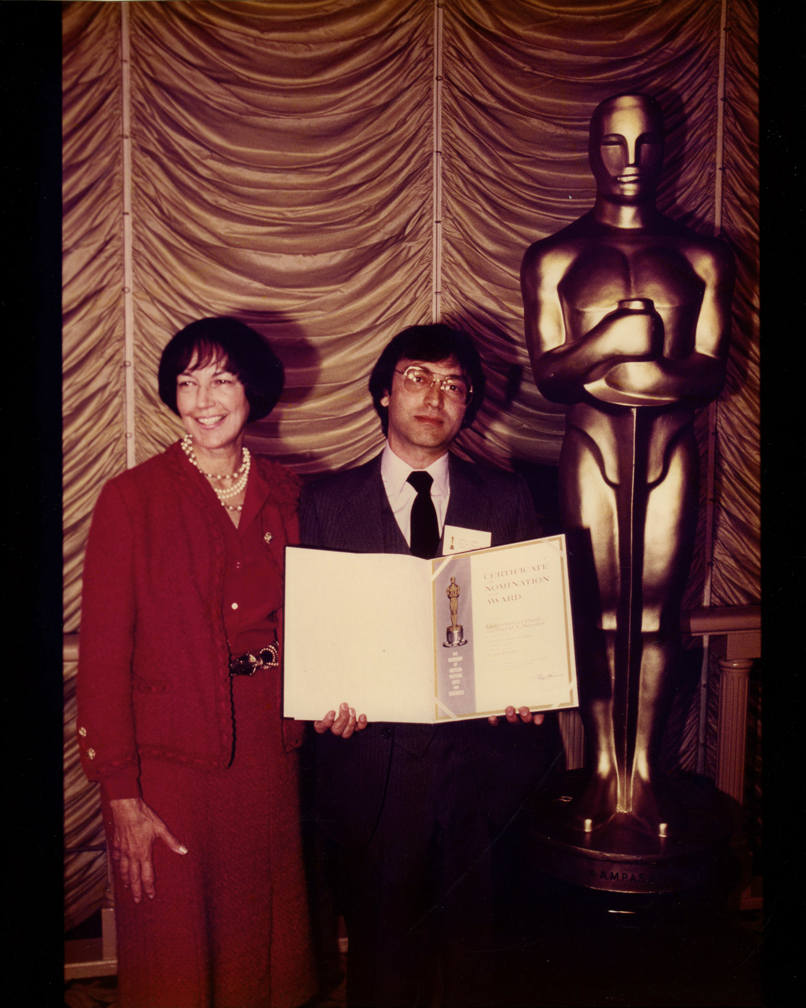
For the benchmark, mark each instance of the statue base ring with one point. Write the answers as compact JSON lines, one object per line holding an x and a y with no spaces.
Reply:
{"x":455,"y":638}
{"x":622,"y":856}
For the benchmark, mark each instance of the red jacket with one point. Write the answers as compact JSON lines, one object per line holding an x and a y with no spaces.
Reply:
{"x":153,"y":672}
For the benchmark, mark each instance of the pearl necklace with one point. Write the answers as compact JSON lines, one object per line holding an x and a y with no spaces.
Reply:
{"x":241,"y":475}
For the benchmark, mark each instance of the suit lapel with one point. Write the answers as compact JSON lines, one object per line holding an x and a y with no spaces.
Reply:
{"x":469,"y":505}
{"x":365,"y":511}
{"x":366,"y":516}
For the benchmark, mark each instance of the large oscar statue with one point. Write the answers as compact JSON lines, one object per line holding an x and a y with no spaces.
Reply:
{"x":627,"y":318}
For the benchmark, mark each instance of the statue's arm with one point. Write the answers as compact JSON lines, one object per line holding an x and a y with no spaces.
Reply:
{"x":699,"y":377}
{"x":563,"y":365}
{"x":702,"y":375}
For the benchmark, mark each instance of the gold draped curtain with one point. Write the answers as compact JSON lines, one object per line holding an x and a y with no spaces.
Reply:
{"x":330,"y":171}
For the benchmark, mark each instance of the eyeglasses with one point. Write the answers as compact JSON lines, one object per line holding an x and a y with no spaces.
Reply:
{"x":420,"y":379}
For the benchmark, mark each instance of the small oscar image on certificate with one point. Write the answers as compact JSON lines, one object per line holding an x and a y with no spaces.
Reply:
{"x":406,"y":639}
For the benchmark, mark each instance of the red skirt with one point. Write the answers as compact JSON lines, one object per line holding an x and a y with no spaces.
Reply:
{"x":228,"y":927}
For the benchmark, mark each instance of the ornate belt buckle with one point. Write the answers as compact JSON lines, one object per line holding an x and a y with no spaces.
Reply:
{"x":244,"y":664}
{"x":248,"y":664}
{"x":270,"y":656}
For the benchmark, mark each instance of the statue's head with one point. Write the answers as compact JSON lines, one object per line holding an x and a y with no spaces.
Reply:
{"x":626,"y":148}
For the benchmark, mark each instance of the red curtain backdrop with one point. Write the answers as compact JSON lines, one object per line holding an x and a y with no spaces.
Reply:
{"x":331,"y":171}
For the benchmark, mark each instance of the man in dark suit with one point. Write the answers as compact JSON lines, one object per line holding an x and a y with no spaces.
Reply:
{"x":415,"y":809}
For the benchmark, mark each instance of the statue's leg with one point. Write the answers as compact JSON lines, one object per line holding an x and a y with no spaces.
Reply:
{"x":589,"y":515}
{"x":668,"y":544}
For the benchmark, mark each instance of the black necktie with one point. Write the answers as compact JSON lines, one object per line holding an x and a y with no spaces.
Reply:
{"x":424,"y":527}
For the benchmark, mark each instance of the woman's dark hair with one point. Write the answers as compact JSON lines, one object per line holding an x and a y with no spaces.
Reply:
{"x":432,"y":343}
{"x":245,"y":353}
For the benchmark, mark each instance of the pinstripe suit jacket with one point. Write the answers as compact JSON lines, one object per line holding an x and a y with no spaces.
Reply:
{"x":350,"y":511}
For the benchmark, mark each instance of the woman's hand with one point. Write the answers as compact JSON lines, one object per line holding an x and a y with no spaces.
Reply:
{"x":345,"y":724}
{"x":136,"y":828}
{"x":523,"y":714}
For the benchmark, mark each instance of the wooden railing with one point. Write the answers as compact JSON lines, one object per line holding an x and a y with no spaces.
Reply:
{"x":733,"y":635}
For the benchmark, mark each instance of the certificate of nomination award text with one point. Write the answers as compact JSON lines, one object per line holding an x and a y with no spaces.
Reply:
{"x":411,"y":640}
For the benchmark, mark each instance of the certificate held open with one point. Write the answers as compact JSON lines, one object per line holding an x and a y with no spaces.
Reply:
{"x":380,"y":637}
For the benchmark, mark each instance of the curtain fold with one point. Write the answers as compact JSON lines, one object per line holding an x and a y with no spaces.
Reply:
{"x":737,"y":551}
{"x":282,"y":172}
{"x":92,"y":274}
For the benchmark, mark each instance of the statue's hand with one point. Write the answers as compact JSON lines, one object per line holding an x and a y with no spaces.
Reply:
{"x":630,"y":334}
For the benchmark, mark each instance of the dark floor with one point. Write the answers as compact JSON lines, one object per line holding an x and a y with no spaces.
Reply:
{"x":101,"y":992}
{"x":579,"y":953}
{"x":691,"y":956}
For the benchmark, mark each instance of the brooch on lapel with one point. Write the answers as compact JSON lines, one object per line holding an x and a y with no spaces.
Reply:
{"x":268,"y":537}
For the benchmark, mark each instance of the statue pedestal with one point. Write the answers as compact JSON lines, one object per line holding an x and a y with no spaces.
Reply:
{"x":570,"y":946}
{"x":624,"y":857}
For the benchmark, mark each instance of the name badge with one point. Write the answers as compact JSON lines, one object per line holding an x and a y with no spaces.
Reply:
{"x":460,"y":540}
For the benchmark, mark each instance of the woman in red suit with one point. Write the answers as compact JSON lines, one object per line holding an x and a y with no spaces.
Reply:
{"x":179,"y":695}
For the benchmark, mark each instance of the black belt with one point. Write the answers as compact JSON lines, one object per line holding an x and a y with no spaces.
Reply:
{"x":248,"y":663}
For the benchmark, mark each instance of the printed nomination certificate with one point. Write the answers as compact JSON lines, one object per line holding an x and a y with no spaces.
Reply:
{"x":400,"y":638}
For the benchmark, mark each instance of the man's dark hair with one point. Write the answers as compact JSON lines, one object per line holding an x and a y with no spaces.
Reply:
{"x":244,"y":352}
{"x":431,"y":343}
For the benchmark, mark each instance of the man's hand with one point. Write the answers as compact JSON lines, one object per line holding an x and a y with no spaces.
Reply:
{"x":523,"y":714}
{"x":345,"y":724}
{"x":136,"y":828}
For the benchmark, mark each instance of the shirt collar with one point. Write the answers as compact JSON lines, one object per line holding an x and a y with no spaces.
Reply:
{"x":395,"y":473}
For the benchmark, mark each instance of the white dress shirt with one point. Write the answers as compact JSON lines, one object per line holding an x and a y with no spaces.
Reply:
{"x":395,"y":473}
